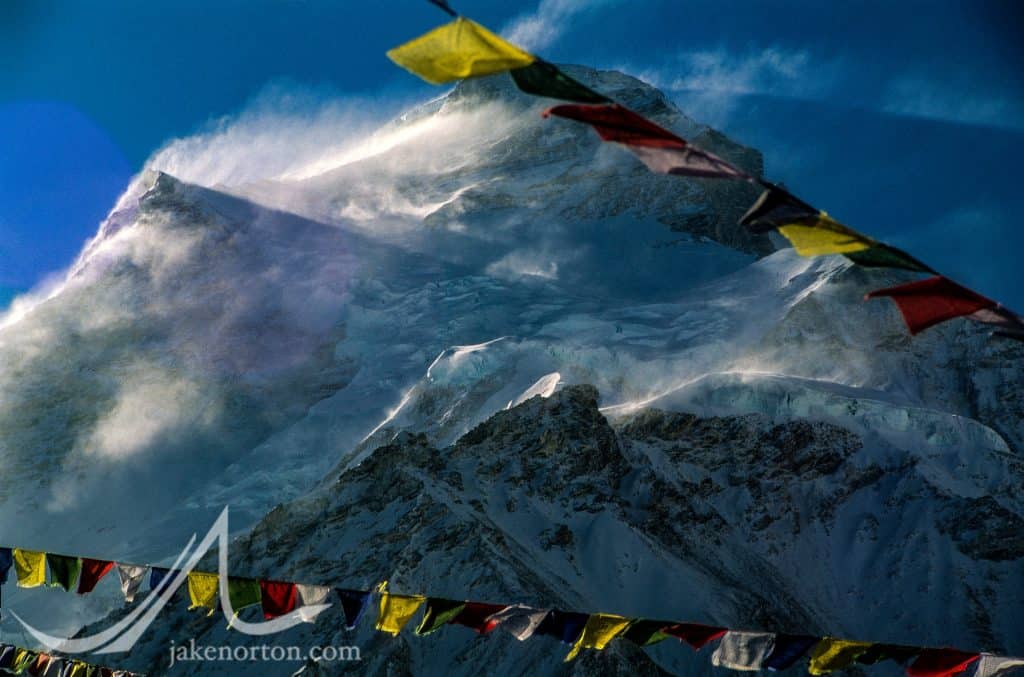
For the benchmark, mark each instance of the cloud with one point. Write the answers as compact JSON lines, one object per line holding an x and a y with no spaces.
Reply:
{"x":773,"y":71}
{"x":712,"y":81}
{"x":543,"y":27}
{"x":282,"y":130}
{"x":952,"y":100}
{"x":151,"y":402}
{"x":521,"y":263}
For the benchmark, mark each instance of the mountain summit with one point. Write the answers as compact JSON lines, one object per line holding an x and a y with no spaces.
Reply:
{"x":481,"y":354}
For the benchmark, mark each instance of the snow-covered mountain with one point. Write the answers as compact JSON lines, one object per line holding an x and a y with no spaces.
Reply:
{"x":481,"y":354}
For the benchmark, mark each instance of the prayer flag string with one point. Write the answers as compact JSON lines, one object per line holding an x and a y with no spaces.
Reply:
{"x":464,"y":49}
{"x":736,"y":649}
{"x":19,"y":660}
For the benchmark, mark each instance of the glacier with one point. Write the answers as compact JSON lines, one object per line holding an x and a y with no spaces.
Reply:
{"x":482,"y":354}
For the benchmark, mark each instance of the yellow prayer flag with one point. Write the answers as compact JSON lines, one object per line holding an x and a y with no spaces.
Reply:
{"x":460,"y":49}
{"x":396,"y":610}
{"x":30,"y":566}
{"x":833,"y":654}
{"x":824,"y":235}
{"x":78,"y":669}
{"x":22,"y":659}
{"x":202,"y":590}
{"x":599,"y":630}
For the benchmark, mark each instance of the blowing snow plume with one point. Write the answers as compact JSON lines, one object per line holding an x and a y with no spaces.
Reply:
{"x":241,"y":279}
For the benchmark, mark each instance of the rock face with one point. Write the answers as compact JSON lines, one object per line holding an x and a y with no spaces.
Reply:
{"x":483,"y":355}
{"x":737,"y":520}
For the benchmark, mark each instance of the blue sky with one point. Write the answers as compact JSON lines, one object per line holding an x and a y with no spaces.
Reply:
{"x":906,"y":120}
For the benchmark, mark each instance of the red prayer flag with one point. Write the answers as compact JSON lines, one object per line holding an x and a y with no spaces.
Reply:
{"x":475,"y":615}
{"x":941,"y":663}
{"x":92,"y":571}
{"x":616,"y":123}
{"x":659,"y":149}
{"x":694,"y":634}
{"x":39,"y":667}
{"x":277,"y":598}
{"x":928,"y":302}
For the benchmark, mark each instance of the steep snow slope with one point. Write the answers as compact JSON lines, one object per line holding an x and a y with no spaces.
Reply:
{"x":205,"y":351}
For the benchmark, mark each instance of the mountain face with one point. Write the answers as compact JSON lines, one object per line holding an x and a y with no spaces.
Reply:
{"x":662,"y":514}
{"x":480,"y":354}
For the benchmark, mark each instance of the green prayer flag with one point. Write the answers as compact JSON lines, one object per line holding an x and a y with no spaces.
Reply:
{"x":243,"y":592}
{"x":64,"y":570}
{"x":644,"y":632}
{"x":541,"y":78}
{"x":883,"y":256}
{"x":439,"y":611}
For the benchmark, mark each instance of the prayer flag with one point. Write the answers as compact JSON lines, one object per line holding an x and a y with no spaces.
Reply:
{"x":995,"y":666}
{"x":157,"y":576}
{"x":478,"y":616}
{"x":353,"y":603}
{"x":661,"y":150}
{"x":131,"y":580}
{"x":941,"y":663}
{"x":22,"y":659}
{"x":311,"y":596}
{"x":599,"y":630}
{"x":618,"y":124}
{"x":1010,"y":324}
{"x":202,"y":590}
{"x":519,"y":620}
{"x":457,"y":50}
{"x":7,"y":655}
{"x":823,"y":236}
{"x":832,"y":654}
{"x":56,"y":667}
{"x":565,"y":625}
{"x":278,"y":598}
{"x":810,"y":231}
{"x":39,"y":665}
{"x":1015,"y":335}
{"x":443,"y":4}
{"x":777,"y":207}
{"x":883,"y":256}
{"x":877,"y":653}
{"x":30,"y":567}
{"x":541,"y":78}
{"x":92,"y":571}
{"x":396,"y":610}
{"x":644,"y":632}
{"x":815,"y":233}
{"x":63,"y":570}
{"x":928,"y":302}
{"x":438,"y":612}
{"x":6,"y":562}
{"x":743,"y":650}
{"x":694,"y":634}
{"x":688,"y":161}
{"x":78,"y":669}
{"x":243,"y":593}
